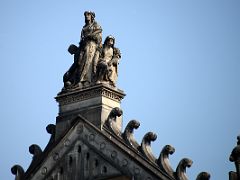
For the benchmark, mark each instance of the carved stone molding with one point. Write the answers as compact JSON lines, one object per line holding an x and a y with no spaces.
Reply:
{"x":88,"y":93}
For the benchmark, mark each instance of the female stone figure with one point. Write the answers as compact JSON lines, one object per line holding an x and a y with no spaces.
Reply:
{"x":107,"y":68}
{"x":91,"y":39}
{"x":86,"y":55}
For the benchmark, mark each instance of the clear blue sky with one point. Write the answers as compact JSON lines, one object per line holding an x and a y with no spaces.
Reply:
{"x":180,"y":69}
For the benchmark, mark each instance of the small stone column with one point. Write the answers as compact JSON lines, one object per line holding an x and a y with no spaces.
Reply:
{"x":93,"y":103}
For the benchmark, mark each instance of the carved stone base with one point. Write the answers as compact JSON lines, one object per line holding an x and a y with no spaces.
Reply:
{"x":94,"y":103}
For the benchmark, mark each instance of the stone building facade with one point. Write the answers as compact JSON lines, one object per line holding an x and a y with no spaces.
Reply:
{"x":88,"y":141}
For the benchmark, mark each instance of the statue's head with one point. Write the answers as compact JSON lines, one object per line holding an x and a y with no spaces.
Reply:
{"x":110,"y":41}
{"x":89,"y":16}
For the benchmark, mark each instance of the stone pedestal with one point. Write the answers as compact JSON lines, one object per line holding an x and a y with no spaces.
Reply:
{"x":94,"y":103}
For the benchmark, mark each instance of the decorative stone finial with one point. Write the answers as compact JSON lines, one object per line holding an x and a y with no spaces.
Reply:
{"x":36,"y":151}
{"x":181,"y":168}
{"x":203,"y":176}
{"x":146,"y":145}
{"x":112,"y":123}
{"x":128,"y":133}
{"x":18,"y":171}
{"x":235,"y":157}
{"x":51,"y":129}
{"x":163,"y":160}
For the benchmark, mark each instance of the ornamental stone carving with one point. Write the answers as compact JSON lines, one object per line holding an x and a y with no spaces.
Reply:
{"x":181,"y":168}
{"x":86,"y":55}
{"x":235,"y":157}
{"x":128,"y":134}
{"x":18,"y":171}
{"x":94,"y":62}
{"x":163,"y":160}
{"x":146,"y":145}
{"x":203,"y":176}
{"x":107,"y":68}
{"x":111,"y":121}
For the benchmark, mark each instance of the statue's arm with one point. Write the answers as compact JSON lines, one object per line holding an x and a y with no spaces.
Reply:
{"x":96,"y":34}
{"x":116,"y":57}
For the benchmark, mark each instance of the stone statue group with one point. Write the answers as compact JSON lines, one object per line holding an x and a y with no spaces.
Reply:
{"x":94,"y":62}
